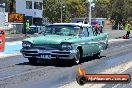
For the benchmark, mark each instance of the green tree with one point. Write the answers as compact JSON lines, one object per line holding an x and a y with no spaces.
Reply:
{"x":117,"y":10}
{"x":121,"y":10}
{"x":114,"y":9}
{"x":127,"y":9}
{"x":73,"y":9}
{"x":51,"y":10}
{"x":10,"y":5}
{"x":101,"y":8}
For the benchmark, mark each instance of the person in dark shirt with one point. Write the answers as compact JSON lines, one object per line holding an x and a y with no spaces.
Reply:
{"x":85,"y":21}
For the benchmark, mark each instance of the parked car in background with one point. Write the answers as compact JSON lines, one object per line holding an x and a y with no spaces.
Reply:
{"x":35,"y":29}
{"x":66,"y":41}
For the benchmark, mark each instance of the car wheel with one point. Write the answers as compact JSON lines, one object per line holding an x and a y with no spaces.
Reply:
{"x":77,"y":57}
{"x":96,"y":56}
{"x":33,"y":61}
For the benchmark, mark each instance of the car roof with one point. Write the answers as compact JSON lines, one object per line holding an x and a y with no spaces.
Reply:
{"x":72,"y":24}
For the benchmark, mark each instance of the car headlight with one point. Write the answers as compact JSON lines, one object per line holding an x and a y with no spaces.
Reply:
{"x":66,"y":46}
{"x":25,"y":44}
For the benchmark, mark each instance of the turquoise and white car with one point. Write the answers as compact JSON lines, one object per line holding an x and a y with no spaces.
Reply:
{"x":68,"y":41}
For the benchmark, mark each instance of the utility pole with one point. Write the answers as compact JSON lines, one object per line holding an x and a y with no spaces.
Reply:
{"x":89,"y":12}
{"x":61,"y":10}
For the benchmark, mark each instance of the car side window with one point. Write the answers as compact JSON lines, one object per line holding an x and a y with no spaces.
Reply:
{"x":90,"y":30}
{"x":85,"y":32}
{"x":65,"y":31}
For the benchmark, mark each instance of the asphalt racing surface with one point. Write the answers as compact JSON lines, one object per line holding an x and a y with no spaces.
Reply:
{"x":15,"y":72}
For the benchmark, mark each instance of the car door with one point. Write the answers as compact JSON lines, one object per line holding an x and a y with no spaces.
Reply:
{"x":94,"y":41}
{"x":87,"y":47}
{"x":103,"y":40}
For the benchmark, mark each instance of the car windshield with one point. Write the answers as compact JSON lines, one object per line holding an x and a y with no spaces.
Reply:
{"x":62,"y":30}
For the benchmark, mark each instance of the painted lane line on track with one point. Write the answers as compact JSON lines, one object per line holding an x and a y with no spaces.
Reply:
{"x":117,"y":40}
{"x":116,"y":86}
{"x":13,"y":43}
{"x":8,"y":55}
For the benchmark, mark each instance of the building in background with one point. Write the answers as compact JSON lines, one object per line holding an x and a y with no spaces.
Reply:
{"x":18,"y":11}
{"x":32,"y":9}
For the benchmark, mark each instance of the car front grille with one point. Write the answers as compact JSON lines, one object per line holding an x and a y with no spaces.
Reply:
{"x":41,"y":53}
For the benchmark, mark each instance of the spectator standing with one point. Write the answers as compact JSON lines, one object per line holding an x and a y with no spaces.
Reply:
{"x":85,"y":21}
{"x":27,"y":27}
{"x":128,"y":28}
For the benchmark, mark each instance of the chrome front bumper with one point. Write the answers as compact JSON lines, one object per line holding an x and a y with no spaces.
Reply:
{"x":48,"y":54}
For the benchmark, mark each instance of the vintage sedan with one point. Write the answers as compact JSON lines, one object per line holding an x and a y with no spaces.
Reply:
{"x":66,"y":41}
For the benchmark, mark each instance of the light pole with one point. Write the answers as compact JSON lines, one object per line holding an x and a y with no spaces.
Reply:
{"x":61,"y":11}
{"x":62,"y":7}
{"x":89,"y":12}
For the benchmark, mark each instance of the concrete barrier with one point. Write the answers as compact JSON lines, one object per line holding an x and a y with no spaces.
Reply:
{"x":2,"y":40}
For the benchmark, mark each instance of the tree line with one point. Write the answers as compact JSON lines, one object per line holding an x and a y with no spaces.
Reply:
{"x":70,"y":9}
{"x":113,"y":9}
{"x":119,"y":11}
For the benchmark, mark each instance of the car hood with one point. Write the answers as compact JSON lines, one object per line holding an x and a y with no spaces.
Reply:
{"x":49,"y":39}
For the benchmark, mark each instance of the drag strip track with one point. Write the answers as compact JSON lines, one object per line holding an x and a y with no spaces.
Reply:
{"x":20,"y":72}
